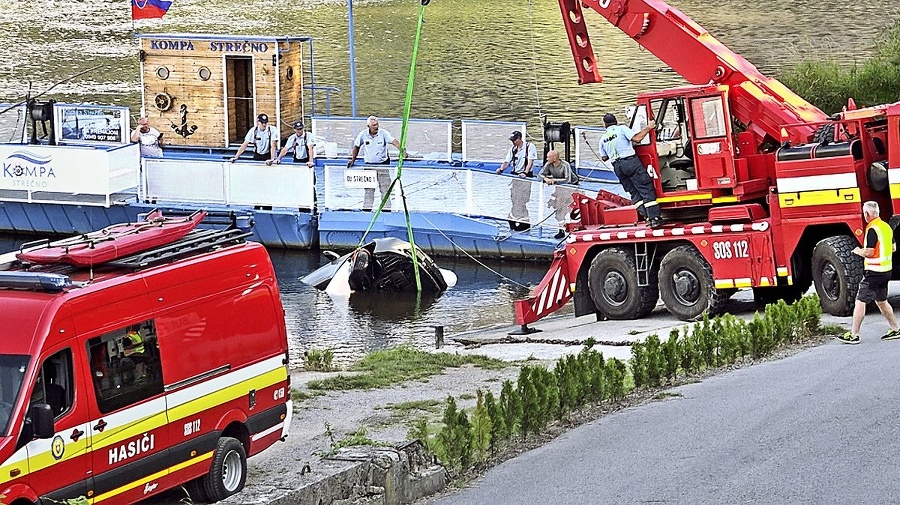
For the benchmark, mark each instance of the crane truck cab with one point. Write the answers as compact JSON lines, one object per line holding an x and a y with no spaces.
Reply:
{"x":134,"y":374}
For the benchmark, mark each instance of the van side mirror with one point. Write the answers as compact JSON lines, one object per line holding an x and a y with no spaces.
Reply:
{"x":42,"y":421}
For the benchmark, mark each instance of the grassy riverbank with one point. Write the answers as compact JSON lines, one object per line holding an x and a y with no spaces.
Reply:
{"x":828,"y":84}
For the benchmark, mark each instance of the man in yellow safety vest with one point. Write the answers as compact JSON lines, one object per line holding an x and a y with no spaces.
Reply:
{"x":877,"y":253}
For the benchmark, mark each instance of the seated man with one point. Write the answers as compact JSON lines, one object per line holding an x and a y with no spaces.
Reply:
{"x":133,"y":350}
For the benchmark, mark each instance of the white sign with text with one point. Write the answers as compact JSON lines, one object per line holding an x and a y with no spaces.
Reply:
{"x":361,"y":179}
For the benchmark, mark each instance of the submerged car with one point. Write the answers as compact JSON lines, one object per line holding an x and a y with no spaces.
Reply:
{"x":384,"y":264}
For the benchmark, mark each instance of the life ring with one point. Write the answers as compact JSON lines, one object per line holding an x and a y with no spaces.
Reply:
{"x":163,"y":101}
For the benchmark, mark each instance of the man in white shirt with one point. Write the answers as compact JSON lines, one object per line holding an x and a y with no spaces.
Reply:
{"x":373,"y":142}
{"x":301,"y":143}
{"x":264,"y":139}
{"x":149,"y":138}
{"x":521,"y":157}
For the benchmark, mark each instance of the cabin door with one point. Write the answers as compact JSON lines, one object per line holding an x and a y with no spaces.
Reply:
{"x":239,"y":97}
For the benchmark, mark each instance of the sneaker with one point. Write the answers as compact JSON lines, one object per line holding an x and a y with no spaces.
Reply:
{"x":891,"y":335}
{"x":847,"y":338}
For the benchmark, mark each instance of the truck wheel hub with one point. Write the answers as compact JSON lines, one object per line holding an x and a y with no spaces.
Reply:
{"x":615,"y":289}
{"x":830,"y":281}
{"x":687,"y":287}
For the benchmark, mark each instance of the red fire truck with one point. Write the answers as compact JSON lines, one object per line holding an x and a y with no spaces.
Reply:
{"x":760,"y":189}
{"x":137,"y":359}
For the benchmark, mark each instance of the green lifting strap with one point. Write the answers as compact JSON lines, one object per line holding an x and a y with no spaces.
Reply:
{"x":406,"y":106}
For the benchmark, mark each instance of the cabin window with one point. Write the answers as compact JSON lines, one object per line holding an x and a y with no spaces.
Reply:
{"x":709,"y":117}
{"x":162,"y":73}
{"x":125,"y":366}
{"x":204,"y":74}
{"x":55,"y":384}
{"x":639,"y":121}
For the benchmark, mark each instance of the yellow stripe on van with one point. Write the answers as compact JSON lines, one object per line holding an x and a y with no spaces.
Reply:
{"x":150,"y":478}
{"x":221,"y":396}
{"x":821,"y":197}
{"x":724,"y":283}
{"x":115,"y":436}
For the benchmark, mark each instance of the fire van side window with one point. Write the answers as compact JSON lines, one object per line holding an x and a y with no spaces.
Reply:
{"x":55,"y":384}
{"x":125,"y":366}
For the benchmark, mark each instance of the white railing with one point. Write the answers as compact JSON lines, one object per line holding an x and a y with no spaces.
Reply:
{"x":462,"y":191}
{"x":489,"y":140}
{"x":224,"y":183}
{"x":428,"y":139}
{"x":86,"y":175}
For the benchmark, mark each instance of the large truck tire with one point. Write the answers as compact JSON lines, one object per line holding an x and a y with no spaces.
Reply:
{"x":686,"y":285}
{"x":228,"y":471}
{"x":837,"y":273}
{"x":613,"y":284}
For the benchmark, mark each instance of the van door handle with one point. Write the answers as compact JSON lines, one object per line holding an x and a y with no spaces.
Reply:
{"x":99,"y":426}
{"x":76,"y":434}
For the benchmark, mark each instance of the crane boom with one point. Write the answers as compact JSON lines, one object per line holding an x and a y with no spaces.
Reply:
{"x":760,"y":102}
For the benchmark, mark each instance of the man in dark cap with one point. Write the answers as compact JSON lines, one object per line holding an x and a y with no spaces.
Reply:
{"x":264,"y":139}
{"x":301,"y":143}
{"x":616,"y":146}
{"x":521,"y":156}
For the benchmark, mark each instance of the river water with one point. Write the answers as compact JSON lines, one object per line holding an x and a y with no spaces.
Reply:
{"x":498,"y":59}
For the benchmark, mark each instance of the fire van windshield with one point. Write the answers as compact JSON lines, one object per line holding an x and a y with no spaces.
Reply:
{"x":12,"y":370}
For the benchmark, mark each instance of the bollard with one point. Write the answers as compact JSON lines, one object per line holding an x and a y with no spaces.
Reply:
{"x":438,"y":337}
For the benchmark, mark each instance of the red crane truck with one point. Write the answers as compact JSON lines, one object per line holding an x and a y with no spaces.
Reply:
{"x":760,"y":189}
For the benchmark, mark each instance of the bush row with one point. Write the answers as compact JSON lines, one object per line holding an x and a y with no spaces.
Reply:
{"x":540,"y":396}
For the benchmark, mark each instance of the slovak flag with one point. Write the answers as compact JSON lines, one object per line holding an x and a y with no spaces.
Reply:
{"x":149,"y":9}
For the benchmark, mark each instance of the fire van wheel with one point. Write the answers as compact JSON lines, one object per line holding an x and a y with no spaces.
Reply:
{"x":837,"y":273}
{"x":613,"y":284}
{"x":228,"y":471}
{"x":686,"y":285}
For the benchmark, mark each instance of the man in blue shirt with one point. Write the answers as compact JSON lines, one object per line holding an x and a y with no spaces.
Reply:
{"x":616,"y":146}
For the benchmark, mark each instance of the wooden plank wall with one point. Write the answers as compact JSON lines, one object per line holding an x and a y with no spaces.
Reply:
{"x":291,"y":70}
{"x":204,"y":101}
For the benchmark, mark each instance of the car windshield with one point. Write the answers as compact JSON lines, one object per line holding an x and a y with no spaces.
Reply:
{"x":12,"y":370}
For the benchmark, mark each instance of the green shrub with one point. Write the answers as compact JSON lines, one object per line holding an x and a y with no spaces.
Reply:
{"x":639,"y":364}
{"x":454,"y":441}
{"x":510,"y":408}
{"x":318,"y":360}
{"x":655,"y":360}
{"x":481,"y":430}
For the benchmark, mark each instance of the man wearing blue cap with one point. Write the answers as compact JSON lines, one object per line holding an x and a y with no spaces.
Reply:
{"x":264,"y":139}
{"x":616,"y":146}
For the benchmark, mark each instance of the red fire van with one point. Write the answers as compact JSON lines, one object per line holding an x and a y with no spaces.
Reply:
{"x":124,"y":378}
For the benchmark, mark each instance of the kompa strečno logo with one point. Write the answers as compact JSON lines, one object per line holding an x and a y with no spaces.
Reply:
{"x":28,"y":170}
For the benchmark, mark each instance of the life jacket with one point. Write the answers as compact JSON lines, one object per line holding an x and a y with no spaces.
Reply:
{"x":884,"y":246}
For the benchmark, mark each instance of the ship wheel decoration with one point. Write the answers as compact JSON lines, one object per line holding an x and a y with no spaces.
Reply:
{"x":183,"y":129}
{"x":163,"y":101}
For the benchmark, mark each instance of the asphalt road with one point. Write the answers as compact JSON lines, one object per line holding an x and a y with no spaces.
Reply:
{"x":820,"y":427}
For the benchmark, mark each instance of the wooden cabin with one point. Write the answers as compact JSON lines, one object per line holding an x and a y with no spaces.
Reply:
{"x":206,"y":90}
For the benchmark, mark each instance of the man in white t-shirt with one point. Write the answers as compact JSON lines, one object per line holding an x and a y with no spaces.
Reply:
{"x":264,"y":139}
{"x":520,"y":157}
{"x":149,"y":138}
{"x":301,"y":143}
{"x":373,"y":143}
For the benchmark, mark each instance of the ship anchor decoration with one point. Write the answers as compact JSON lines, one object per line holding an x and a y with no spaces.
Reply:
{"x":184,"y":130}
